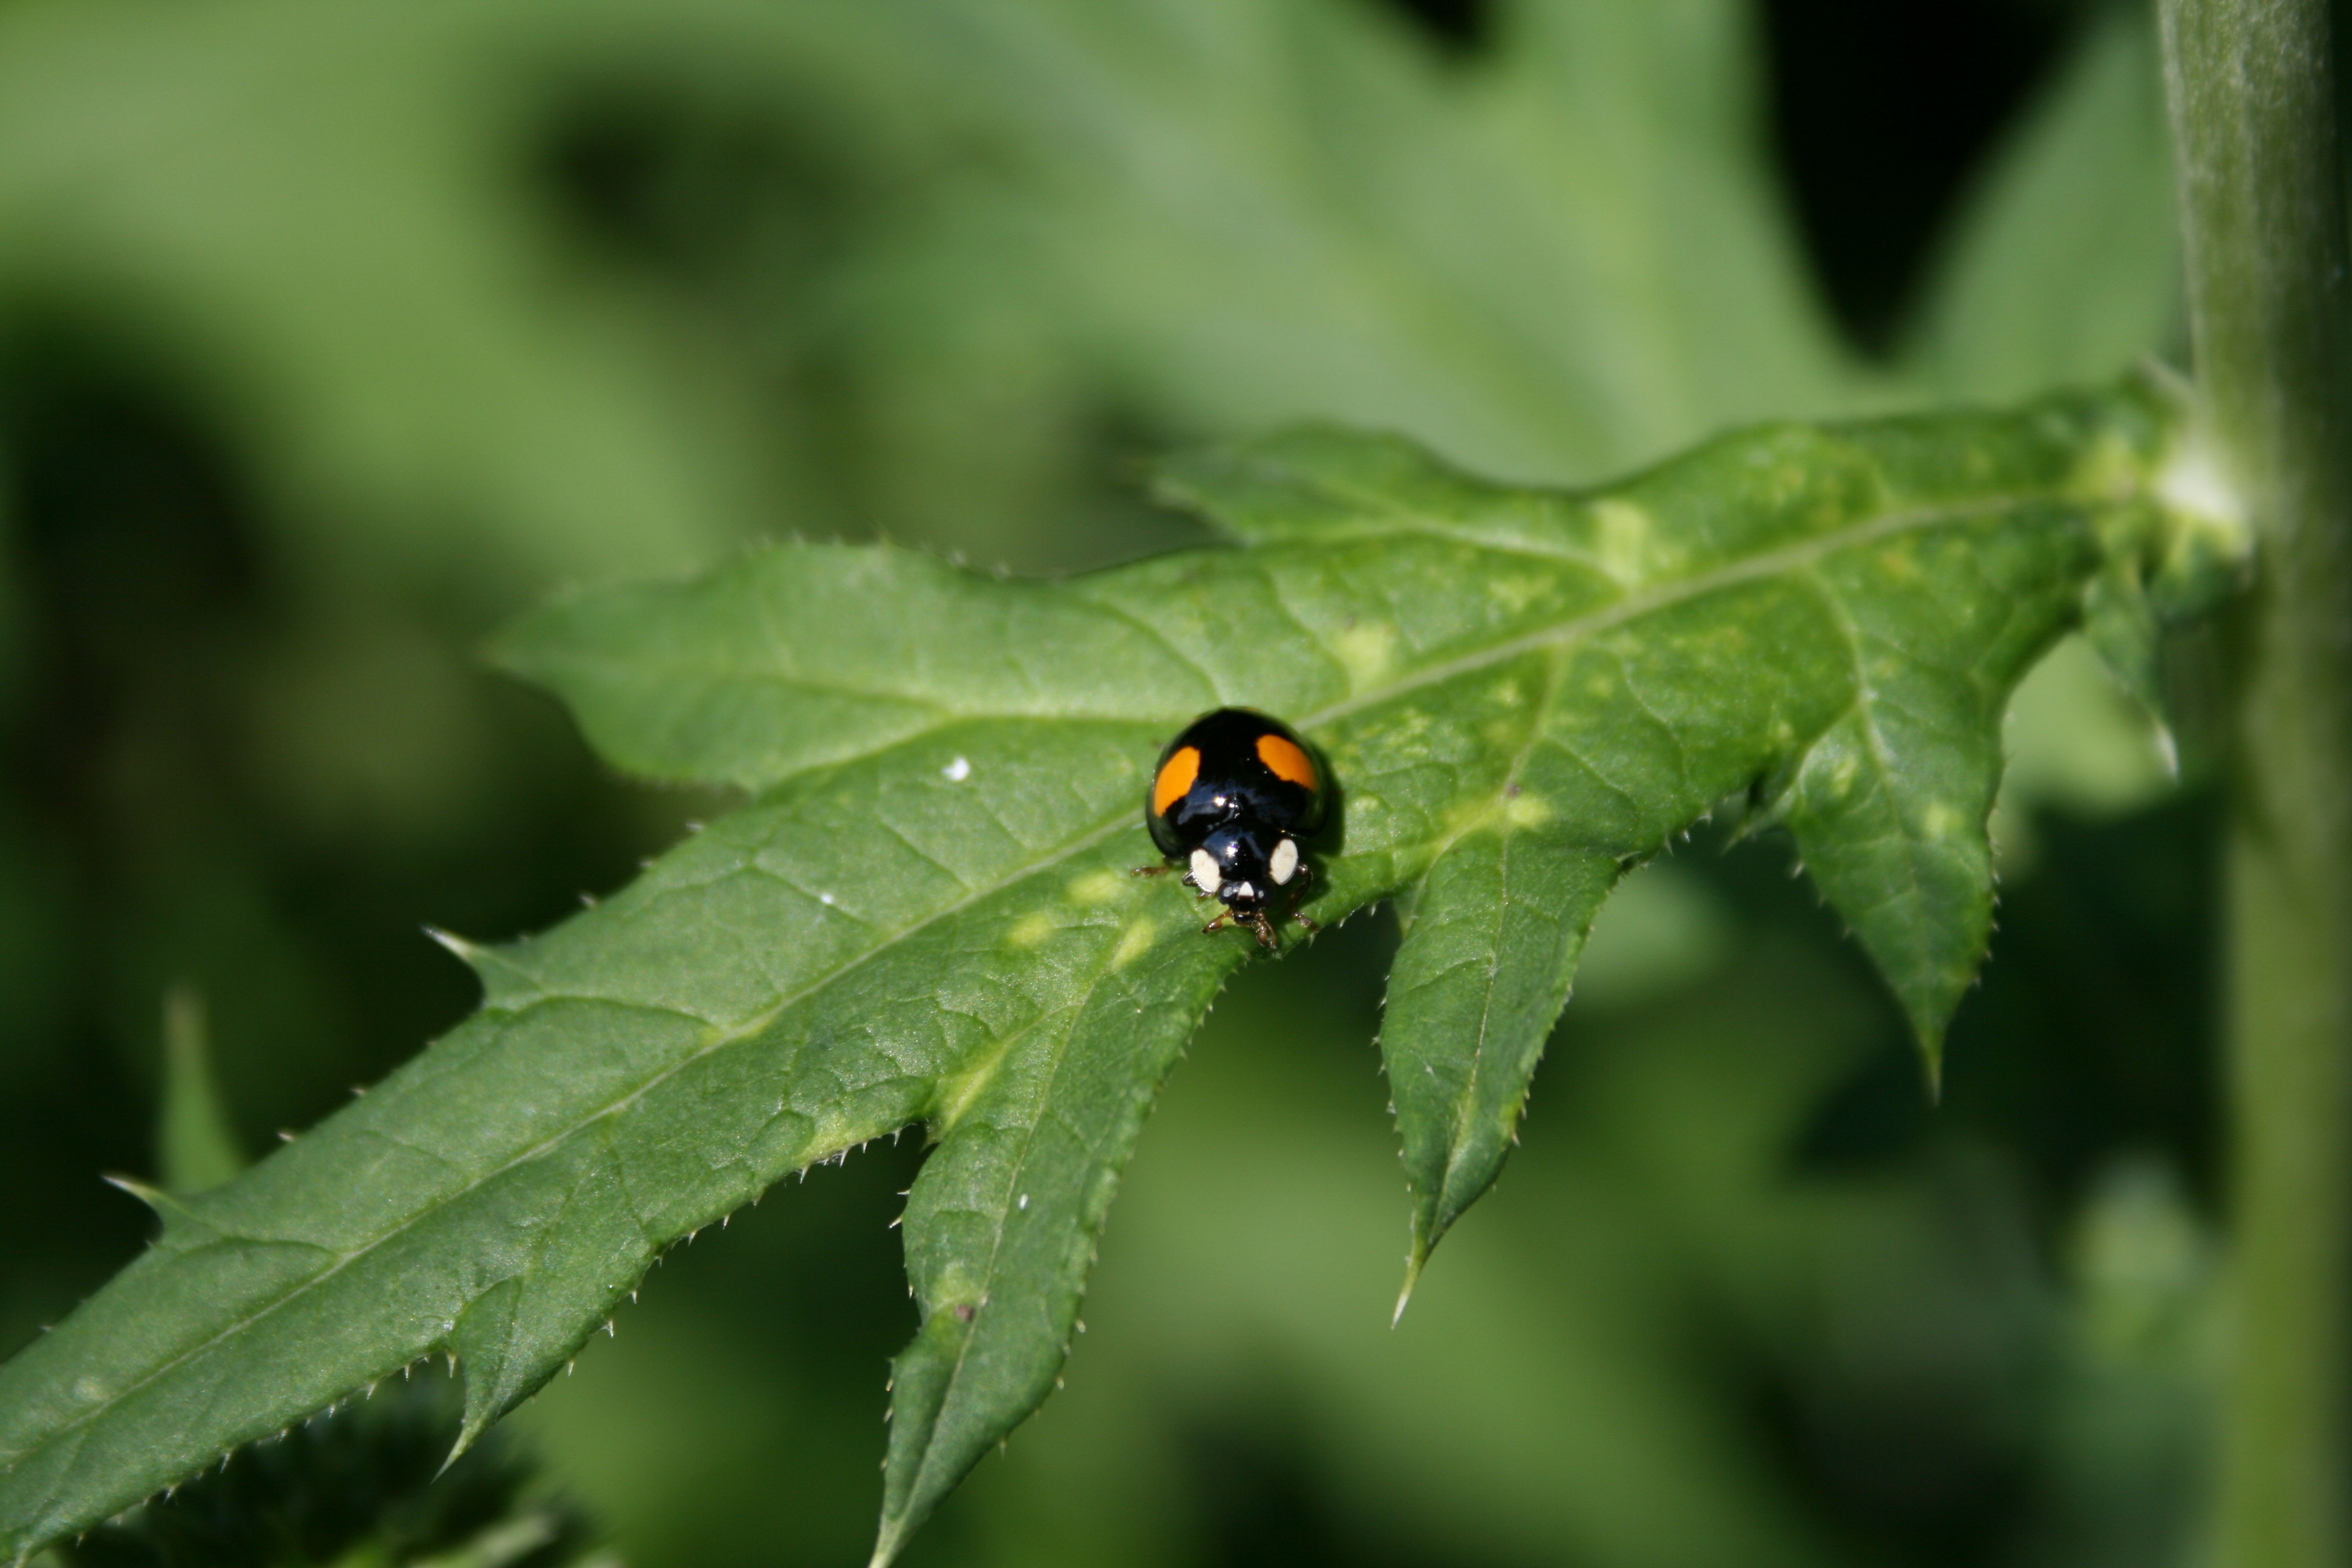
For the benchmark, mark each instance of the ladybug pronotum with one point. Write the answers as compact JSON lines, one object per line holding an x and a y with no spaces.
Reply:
{"x":1231,"y":799}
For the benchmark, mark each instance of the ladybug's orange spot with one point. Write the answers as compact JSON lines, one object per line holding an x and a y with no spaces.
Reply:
{"x":1285,"y":761}
{"x":1176,"y":776}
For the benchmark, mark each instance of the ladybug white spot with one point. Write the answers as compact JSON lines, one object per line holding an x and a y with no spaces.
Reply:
{"x":1283,"y":864}
{"x":1205,"y":874}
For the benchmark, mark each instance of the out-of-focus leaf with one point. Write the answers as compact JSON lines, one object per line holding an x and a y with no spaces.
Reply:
{"x":195,"y":1144}
{"x":1566,"y":259}
{"x":322,"y":220}
{"x":338,"y":227}
{"x":1659,"y":932}
{"x":2063,"y":266}
{"x":924,"y":915}
{"x":971,"y":232}
{"x":2076,"y":740}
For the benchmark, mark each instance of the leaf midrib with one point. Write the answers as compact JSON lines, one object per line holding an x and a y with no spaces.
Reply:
{"x":1864,"y":707}
{"x":1629,"y":608}
{"x":1466,"y":1101}
{"x":1632,"y":607}
{"x":1384,"y":517}
{"x":1003,"y":1216}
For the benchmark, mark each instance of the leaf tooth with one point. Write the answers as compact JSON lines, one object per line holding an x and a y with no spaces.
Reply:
{"x":467,"y":952}
{"x":155,"y":1198}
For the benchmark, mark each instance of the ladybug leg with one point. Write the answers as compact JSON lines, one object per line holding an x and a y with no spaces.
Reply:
{"x":1305,"y":875}
{"x":1163,"y":871}
{"x":1219,"y":923}
{"x":1265,"y":930}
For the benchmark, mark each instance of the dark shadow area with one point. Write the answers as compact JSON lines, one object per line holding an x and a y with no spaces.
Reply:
{"x":1880,"y":115}
{"x":1462,"y":28}
{"x":363,"y":1485}
{"x":2090,"y":1035}
{"x":153,"y":830}
{"x":1257,"y":1503}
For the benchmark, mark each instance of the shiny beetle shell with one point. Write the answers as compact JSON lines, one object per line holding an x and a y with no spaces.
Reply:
{"x":1233,"y":799}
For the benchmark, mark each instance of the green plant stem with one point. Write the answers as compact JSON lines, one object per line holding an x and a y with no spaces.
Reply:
{"x":2253,"y":110}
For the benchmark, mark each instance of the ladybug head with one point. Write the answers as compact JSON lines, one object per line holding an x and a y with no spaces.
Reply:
{"x":1243,"y":866}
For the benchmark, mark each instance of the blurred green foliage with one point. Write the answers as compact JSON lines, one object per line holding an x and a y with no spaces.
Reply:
{"x":330,"y":334}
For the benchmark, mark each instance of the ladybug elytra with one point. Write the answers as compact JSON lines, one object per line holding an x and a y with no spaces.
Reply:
{"x":1231,"y":799}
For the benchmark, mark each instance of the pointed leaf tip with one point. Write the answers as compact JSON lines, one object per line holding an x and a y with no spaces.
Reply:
{"x":468,"y":1435}
{"x":1413,"y":1264}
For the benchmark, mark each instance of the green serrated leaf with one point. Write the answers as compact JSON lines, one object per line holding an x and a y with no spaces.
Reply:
{"x":924,"y":915}
{"x":1923,"y":621}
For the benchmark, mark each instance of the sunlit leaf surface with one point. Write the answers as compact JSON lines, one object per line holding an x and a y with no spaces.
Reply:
{"x":923,"y":917}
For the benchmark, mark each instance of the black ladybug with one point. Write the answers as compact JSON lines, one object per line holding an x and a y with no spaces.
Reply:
{"x":1232,"y":798}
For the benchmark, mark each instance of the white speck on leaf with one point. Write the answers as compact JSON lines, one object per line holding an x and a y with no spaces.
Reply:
{"x":957,"y":771}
